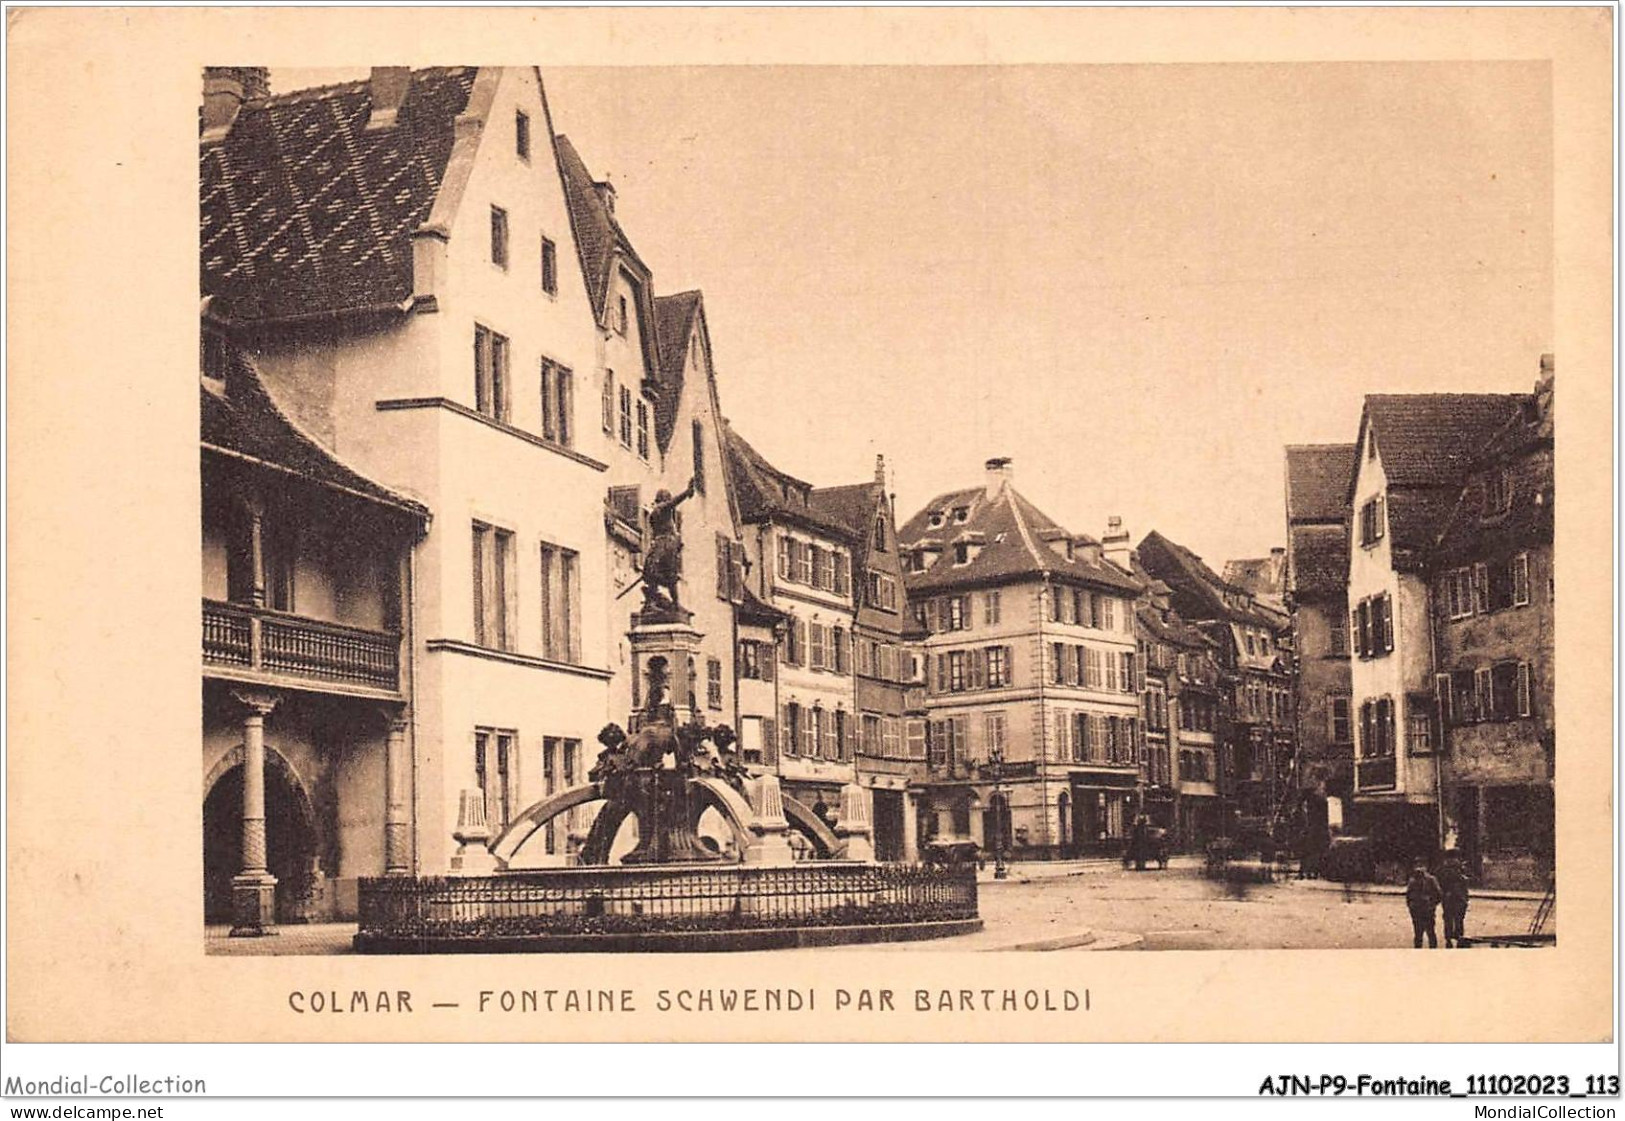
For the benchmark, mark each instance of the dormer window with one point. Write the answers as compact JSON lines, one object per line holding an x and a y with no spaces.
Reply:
{"x":880,"y":535}
{"x":961,"y":515}
{"x":1497,"y":493}
{"x":935,"y":520}
{"x":1071,"y":549}
{"x":961,"y":552}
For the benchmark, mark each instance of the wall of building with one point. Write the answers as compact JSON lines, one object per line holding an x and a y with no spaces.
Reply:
{"x":1322,"y":674}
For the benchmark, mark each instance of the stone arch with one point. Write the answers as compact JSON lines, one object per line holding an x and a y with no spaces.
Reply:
{"x":523,"y":827}
{"x":810,"y":825}
{"x":280,"y":762}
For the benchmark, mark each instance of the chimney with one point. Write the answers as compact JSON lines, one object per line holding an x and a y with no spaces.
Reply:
{"x":225,"y":88}
{"x":880,"y":469}
{"x":606,"y":194}
{"x":1114,"y":544}
{"x":388,"y":87}
{"x":999,"y":476}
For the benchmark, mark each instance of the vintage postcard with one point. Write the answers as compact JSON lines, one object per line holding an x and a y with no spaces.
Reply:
{"x":846,"y":525}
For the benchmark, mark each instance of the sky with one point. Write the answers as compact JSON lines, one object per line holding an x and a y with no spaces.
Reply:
{"x":1139,"y":282}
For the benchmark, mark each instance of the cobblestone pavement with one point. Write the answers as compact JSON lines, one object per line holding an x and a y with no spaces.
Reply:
{"x":1056,"y":905}
{"x":1180,"y":910}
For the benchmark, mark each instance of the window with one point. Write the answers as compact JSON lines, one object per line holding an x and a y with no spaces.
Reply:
{"x":1481,"y":589}
{"x":499,"y":237}
{"x":697,"y":441}
{"x":914,"y":731}
{"x":550,"y":266}
{"x":792,"y":724}
{"x":550,"y":761}
{"x":869,"y":734}
{"x":1418,"y":733}
{"x":880,"y":535}
{"x":882,"y":591}
{"x":818,"y":648}
{"x":609,"y":402}
{"x":990,"y":609}
{"x":521,"y":134}
{"x":626,"y":416}
{"x":1092,"y":676}
{"x":1520,"y":580}
{"x":561,"y":604}
{"x":713,"y":683}
{"x":1377,"y":728}
{"x":817,"y":733}
{"x":823,"y":569}
{"x":491,"y":373}
{"x":621,"y":315}
{"x":956,"y":671}
{"x":839,"y":644}
{"x":1372,"y":523}
{"x":993,"y":731}
{"x":1497,"y":493}
{"x":1339,"y":639}
{"x":558,"y":403}
{"x":998,"y":667}
{"x":804,"y":562}
{"x":1373,"y":623}
{"x":891,"y":737}
{"x":1107,"y":606}
{"x":961,"y":552}
{"x":1249,"y":638}
{"x":643,"y":428}
{"x":493,"y":568}
{"x":1456,"y":593}
{"x":956,"y":613}
{"x":961,"y":514}
{"x":493,"y":774}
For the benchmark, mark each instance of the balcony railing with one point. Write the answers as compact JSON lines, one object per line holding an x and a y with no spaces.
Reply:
{"x":291,"y":646}
{"x":1374,"y":774}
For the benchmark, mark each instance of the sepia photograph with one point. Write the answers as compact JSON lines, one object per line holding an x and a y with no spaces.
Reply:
{"x":828,"y":526}
{"x":534,"y":621}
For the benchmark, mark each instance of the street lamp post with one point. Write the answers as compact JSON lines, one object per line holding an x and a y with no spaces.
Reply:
{"x":995,"y":760}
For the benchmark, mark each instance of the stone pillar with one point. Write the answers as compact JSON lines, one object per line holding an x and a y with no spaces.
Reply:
{"x":254,"y":510}
{"x":978,"y":816}
{"x":473,"y":837}
{"x":253,"y":889}
{"x":397,"y":798}
{"x":911,"y":829}
{"x":771,"y":841}
{"x":854,"y":825}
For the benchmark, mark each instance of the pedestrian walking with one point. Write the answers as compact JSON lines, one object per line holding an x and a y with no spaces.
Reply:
{"x":1453,"y":889}
{"x":1422,"y":896}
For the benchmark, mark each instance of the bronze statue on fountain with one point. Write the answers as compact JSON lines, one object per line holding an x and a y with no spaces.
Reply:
{"x":663,"y":565}
{"x":652,"y":772}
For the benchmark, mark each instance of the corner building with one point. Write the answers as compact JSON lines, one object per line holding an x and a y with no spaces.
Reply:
{"x":1030,"y":657}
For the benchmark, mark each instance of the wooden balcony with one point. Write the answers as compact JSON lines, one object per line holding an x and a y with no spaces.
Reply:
{"x":259,"y":642}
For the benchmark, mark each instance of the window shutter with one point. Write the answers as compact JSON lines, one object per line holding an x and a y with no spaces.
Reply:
{"x":1481,"y":588}
{"x":766,"y":655}
{"x":1441,"y":693}
{"x":770,"y":742}
{"x":1355,"y":632}
{"x":1387,"y":622}
{"x":942,"y":672}
{"x":1009,"y":666}
{"x":1526,"y":690}
{"x":724,"y":566}
{"x":1520,"y":580}
{"x":1483,"y":694}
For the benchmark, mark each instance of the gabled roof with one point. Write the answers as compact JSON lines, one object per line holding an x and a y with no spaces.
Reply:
{"x":599,"y":235}
{"x":1170,"y":628}
{"x":1014,"y":536}
{"x":1317,"y":481}
{"x":1318,"y":561}
{"x":1258,"y":576}
{"x":764,"y":493}
{"x":852,"y":506}
{"x":1430,"y":439}
{"x":1199,"y":594}
{"x":674,"y":324}
{"x":1466,"y":535}
{"x":303,"y":211}
{"x":244,"y":424}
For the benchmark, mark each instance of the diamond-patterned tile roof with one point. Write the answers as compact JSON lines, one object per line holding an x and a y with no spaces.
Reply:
{"x":303,"y":211}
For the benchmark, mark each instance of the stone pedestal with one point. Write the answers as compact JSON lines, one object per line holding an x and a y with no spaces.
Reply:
{"x":854,"y":826}
{"x":253,"y":905}
{"x":911,"y":829}
{"x":666,"y":664}
{"x":473,"y":836}
{"x":771,"y":842}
